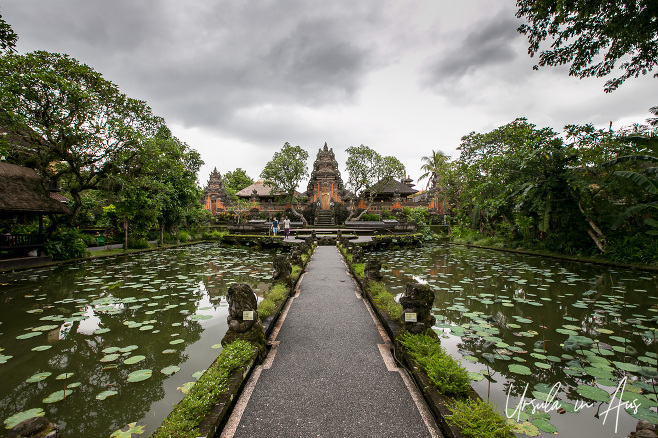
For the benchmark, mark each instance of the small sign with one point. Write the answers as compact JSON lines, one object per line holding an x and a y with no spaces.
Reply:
{"x":248,"y":315}
{"x":410,"y":317}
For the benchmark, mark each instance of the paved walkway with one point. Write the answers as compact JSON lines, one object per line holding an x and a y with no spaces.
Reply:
{"x":330,"y":372}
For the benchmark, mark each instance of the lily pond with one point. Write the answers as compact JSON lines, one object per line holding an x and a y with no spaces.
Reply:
{"x":103,"y":344}
{"x":560,"y":347}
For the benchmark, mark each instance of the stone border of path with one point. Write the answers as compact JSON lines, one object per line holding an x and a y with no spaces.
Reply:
{"x":437,"y":402}
{"x":385,"y":349}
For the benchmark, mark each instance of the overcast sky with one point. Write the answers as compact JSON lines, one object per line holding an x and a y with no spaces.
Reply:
{"x":237,"y":79}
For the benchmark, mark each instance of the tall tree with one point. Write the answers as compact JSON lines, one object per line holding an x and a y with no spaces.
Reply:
{"x":433,"y":167}
{"x":74,"y":123}
{"x":369,"y":172}
{"x":8,"y":38}
{"x":235,"y":181}
{"x":580,"y":31}
{"x":285,"y":171}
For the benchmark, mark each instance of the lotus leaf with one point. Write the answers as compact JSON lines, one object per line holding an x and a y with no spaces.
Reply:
{"x":134,"y":359}
{"x":28,"y":335}
{"x":519,"y":369}
{"x":128,"y":431}
{"x":186,"y":387}
{"x":593,"y":393}
{"x":518,"y":415}
{"x":525,"y":428}
{"x":56,"y":396}
{"x":105,"y":394}
{"x":139,"y":375}
{"x":170,"y":370}
{"x":12,"y":421}
{"x":64,"y":376}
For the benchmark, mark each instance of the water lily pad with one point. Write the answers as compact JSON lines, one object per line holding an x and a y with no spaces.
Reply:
{"x":139,"y":375}
{"x":56,"y":396}
{"x":128,"y":431}
{"x":525,"y":428}
{"x":516,"y":414}
{"x":199,"y":317}
{"x":105,"y":394}
{"x":186,"y":387}
{"x":38,"y":377}
{"x":110,"y":357}
{"x":170,"y":370}
{"x":519,"y":369}
{"x":64,"y":376}
{"x":176,"y":341}
{"x":12,"y":421}
{"x":643,"y":414}
{"x":593,"y":393}
{"x":42,"y":348}
{"x":544,"y":425}
{"x":134,"y":359}
{"x":28,"y":335}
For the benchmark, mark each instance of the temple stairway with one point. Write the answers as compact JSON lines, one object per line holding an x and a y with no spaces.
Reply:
{"x":325,"y":219}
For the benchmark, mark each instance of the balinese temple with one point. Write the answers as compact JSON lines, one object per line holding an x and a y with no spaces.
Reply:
{"x":258,"y":192}
{"x":325,"y":185}
{"x":325,"y":194}
{"x":215,"y":197}
{"x":392,"y":189}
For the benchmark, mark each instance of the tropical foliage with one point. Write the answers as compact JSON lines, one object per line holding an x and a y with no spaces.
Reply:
{"x":78,"y":131}
{"x":593,"y":35}
{"x":368,"y":173}
{"x":583,"y":192}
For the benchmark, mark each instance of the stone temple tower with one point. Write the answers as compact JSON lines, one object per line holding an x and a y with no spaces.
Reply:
{"x":325,"y":187}
{"x":215,"y":197}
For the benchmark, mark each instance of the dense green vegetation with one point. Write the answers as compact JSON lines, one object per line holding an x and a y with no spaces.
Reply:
{"x":477,"y":418}
{"x":593,"y":192}
{"x":184,"y":420}
{"x":445,"y":372}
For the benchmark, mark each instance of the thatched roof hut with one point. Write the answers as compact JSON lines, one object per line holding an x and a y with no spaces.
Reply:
{"x":22,"y":191}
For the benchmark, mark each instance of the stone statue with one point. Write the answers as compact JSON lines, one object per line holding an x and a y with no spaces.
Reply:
{"x":33,"y":427}
{"x":371,"y":272}
{"x":417,"y":303}
{"x":282,"y":270}
{"x":357,"y":254}
{"x":243,"y":321}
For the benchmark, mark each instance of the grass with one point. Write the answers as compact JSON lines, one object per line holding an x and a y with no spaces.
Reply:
{"x":276,"y":294}
{"x":444,"y":371}
{"x":478,"y":418}
{"x":359,"y":269}
{"x":384,"y":300}
{"x":184,"y":420}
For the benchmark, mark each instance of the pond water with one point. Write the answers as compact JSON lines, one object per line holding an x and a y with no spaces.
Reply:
{"x":101,"y":344}
{"x":573,"y":335}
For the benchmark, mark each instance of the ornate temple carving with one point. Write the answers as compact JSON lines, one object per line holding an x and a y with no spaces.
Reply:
{"x":215,"y":197}
{"x":325,"y":185}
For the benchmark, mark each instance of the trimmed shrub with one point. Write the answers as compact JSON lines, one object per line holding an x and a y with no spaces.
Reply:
{"x":444,"y":371}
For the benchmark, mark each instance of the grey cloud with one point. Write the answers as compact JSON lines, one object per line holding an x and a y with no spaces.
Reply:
{"x":491,"y":44}
{"x":199,"y":63}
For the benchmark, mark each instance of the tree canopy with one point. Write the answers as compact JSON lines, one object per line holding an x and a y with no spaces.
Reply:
{"x":8,"y":38}
{"x":365,"y":168}
{"x":285,"y":171}
{"x":593,"y":36}
{"x":236,"y":180}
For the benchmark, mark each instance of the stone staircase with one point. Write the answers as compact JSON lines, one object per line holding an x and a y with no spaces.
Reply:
{"x":325,"y":219}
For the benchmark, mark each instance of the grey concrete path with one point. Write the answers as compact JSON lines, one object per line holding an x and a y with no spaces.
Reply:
{"x":329,"y":373}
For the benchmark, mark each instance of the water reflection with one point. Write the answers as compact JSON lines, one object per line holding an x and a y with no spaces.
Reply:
{"x":91,"y":325}
{"x":522,"y":320}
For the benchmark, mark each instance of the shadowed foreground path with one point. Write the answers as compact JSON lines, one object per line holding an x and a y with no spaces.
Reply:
{"x":329,"y":373}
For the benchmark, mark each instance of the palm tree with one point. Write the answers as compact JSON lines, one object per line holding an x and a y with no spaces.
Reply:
{"x":433,"y":166}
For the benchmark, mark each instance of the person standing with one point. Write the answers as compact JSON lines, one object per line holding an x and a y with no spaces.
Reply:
{"x":275,"y":226}
{"x":286,"y":226}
